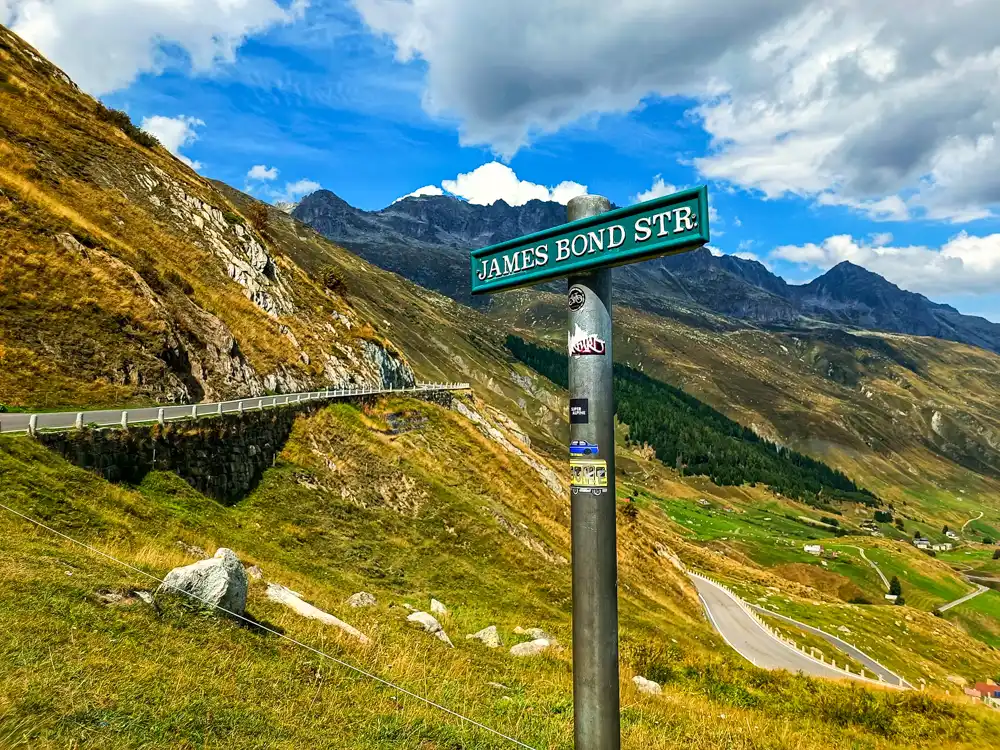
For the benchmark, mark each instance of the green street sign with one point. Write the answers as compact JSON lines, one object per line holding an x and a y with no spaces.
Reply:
{"x":663,"y":226}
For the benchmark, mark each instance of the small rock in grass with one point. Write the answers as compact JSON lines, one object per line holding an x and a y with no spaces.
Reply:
{"x":192,"y":550}
{"x":844,"y":629}
{"x":430,"y":625}
{"x":536,"y":633}
{"x":647,"y":686}
{"x":256,"y":573}
{"x":487,"y":636}
{"x":438,"y":608}
{"x":361,"y":599}
{"x":530,"y":648}
{"x":497,"y":686}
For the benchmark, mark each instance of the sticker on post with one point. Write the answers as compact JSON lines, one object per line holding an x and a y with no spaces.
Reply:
{"x":588,"y":475}
{"x":579,"y":411}
{"x":583,"y":448}
{"x":582,"y":344}
{"x":577,"y":298}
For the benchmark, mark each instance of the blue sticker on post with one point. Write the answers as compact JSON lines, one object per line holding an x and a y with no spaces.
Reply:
{"x":583,"y":448}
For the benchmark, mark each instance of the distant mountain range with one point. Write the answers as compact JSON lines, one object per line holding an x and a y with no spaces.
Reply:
{"x":427,"y":240}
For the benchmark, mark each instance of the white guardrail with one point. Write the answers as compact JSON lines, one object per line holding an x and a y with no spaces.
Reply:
{"x":812,"y":653}
{"x":17,"y":423}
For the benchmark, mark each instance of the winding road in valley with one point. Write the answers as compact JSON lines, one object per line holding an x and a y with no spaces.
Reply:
{"x":980,"y":589}
{"x":750,"y":640}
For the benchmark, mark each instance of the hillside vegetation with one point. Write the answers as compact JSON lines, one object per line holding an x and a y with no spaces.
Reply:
{"x":126,"y":278}
{"x":434,"y":511}
{"x":698,"y":440}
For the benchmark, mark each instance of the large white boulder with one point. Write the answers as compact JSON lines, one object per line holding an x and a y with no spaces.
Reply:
{"x":218,"y":582}
{"x":430,"y":625}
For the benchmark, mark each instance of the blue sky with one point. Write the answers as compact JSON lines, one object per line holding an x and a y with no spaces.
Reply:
{"x":373,"y":99}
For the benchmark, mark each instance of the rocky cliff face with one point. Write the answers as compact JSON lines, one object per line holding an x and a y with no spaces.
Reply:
{"x":427,"y":240}
{"x":125,"y":276}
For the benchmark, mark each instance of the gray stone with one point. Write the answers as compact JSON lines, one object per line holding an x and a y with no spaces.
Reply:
{"x":536,"y":633}
{"x":219,"y":582}
{"x":361,"y":599}
{"x":647,"y":686}
{"x":430,"y":625}
{"x":293,"y":600}
{"x":531,"y":648}
{"x":256,"y":573}
{"x":438,"y":608}
{"x":487,"y":636}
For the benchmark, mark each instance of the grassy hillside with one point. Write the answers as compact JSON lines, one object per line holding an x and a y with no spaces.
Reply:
{"x":865,"y":403}
{"x":350,"y":507}
{"x":127,"y":278}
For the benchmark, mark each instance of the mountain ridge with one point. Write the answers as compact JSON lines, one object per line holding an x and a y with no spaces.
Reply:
{"x":427,"y":238}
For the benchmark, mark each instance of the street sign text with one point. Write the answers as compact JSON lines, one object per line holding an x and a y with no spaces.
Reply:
{"x":663,"y":226}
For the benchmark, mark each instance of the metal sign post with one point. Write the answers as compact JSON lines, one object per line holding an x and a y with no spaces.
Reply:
{"x":592,"y":502}
{"x":585,"y":250}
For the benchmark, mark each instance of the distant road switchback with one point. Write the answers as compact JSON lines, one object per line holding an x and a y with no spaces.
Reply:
{"x":751,"y":641}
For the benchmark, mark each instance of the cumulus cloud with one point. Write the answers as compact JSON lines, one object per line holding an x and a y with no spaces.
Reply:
{"x":106,"y":45}
{"x":262,"y":173}
{"x":294,"y":191}
{"x":174,"y":133}
{"x":891,"y":109}
{"x":494,"y":181}
{"x":966,"y":264}
{"x":658,"y":190}
{"x":425,"y":190}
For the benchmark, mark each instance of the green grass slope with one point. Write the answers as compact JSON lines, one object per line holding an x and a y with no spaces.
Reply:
{"x":438,"y":511}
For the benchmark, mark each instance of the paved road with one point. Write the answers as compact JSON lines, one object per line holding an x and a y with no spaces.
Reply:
{"x":113,"y":417}
{"x":847,"y":648}
{"x":980,"y":589}
{"x":746,"y":636}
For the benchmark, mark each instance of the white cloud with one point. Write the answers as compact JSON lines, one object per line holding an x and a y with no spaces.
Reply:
{"x":294,"y":191}
{"x":419,"y":192}
{"x":658,"y":190}
{"x":494,"y":181}
{"x":880,"y":238}
{"x":888,"y":108}
{"x":174,"y":133}
{"x":966,"y":264}
{"x":105,"y":45}
{"x":262,"y":173}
